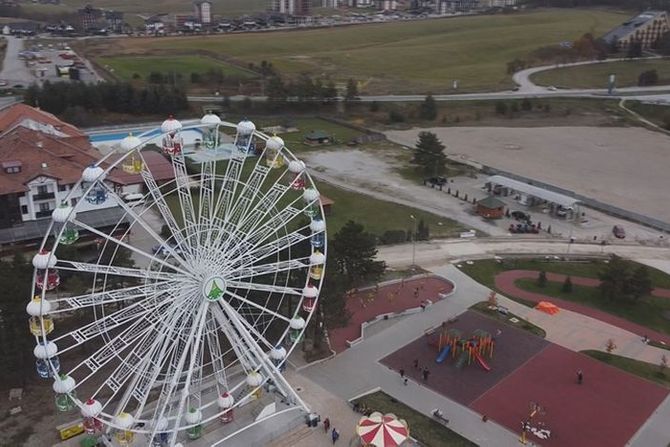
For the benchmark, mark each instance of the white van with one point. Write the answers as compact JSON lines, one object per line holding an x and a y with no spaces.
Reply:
{"x":134,"y":199}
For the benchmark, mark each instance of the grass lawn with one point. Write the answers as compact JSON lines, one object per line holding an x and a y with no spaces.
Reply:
{"x":483,"y":308}
{"x":596,"y":75}
{"x":648,"y":311}
{"x":425,"y":430}
{"x":645,"y":370}
{"x":379,"y":216}
{"x":485,"y":270}
{"x":295,"y":140}
{"x":125,"y":67}
{"x":402,"y":57}
{"x":657,"y":114}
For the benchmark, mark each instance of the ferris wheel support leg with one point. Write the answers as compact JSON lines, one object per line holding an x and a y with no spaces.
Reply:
{"x":264,"y":364}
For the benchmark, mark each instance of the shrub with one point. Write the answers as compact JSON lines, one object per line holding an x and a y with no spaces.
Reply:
{"x":393,"y":237}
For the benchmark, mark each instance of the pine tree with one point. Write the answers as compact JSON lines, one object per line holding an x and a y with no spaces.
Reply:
{"x":352,"y":90}
{"x":429,"y":155}
{"x":428,"y":109}
{"x":639,"y":284}
{"x":354,"y":252}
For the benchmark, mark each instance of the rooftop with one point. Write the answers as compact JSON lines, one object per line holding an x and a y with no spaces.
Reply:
{"x":491,"y":202}
{"x":630,"y":25}
{"x":535,"y":191}
{"x":33,"y":118}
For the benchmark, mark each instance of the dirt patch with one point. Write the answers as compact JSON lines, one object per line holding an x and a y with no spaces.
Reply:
{"x":625,"y":167}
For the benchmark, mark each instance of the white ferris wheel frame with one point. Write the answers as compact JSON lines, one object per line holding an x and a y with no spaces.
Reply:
{"x":208,"y":321}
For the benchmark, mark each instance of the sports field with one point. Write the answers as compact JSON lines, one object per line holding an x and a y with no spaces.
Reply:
{"x":403,"y":57}
{"x":126,"y":68}
{"x":596,"y":75}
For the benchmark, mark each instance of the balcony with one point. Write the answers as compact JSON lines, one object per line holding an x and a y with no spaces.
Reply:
{"x":42,"y":214}
{"x":44,"y":196}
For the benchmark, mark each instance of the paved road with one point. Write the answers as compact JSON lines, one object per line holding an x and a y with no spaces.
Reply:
{"x":14,"y":70}
{"x":436,"y":252}
{"x":522,"y":78}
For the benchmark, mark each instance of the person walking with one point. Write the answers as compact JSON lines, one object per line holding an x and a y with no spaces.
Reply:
{"x":335,"y":435}
{"x":580,"y":377}
{"x":416,"y":363}
{"x":402,"y":373}
{"x":405,"y":381}
{"x":326,"y":425}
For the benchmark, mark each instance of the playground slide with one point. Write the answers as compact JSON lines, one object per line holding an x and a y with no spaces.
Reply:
{"x":444,"y":353}
{"x":482,"y":363}
{"x":462,"y":359}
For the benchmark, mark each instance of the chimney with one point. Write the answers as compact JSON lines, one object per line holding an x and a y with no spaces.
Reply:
{"x":40,"y":144}
{"x":44,"y":166}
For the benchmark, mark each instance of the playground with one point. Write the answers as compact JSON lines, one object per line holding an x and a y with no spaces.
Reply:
{"x":511,"y":348}
{"x":522,"y":377}
{"x":367,"y":304}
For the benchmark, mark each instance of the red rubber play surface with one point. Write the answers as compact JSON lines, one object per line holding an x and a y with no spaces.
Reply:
{"x":605,"y":411}
{"x":505,"y":282}
{"x":368,"y":304}
{"x":513,"y":347}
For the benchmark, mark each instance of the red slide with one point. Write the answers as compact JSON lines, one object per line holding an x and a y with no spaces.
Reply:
{"x":481,"y":361}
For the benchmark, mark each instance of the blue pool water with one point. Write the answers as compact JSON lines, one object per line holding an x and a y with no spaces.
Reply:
{"x":119,"y":136}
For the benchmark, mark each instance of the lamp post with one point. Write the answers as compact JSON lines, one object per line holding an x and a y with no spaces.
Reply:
{"x":411,"y":216}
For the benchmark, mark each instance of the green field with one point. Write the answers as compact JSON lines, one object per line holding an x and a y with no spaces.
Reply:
{"x":228,"y":8}
{"x":403,"y":57}
{"x":424,"y":429}
{"x":596,"y":75}
{"x":645,"y":370}
{"x":483,"y":307}
{"x":126,"y":67}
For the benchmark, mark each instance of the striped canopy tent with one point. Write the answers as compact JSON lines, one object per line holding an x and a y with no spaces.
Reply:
{"x":380,"y":430}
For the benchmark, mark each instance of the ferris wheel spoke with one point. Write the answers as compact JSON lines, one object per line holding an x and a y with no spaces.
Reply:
{"x":119,"y":242}
{"x":223,"y":319}
{"x":109,"y":296}
{"x":272,"y":288}
{"x":207,"y":185}
{"x":116,"y":319}
{"x":115,"y":270}
{"x":176,"y":369}
{"x":183,"y":183}
{"x":137,"y":218}
{"x":229,"y":187}
{"x":109,"y":351}
{"x":163,"y":207}
{"x":258,"y":241}
{"x":266,"y":269}
{"x":249,"y":191}
{"x":262,"y":361}
{"x":216,"y":354}
{"x":259,"y":307}
{"x":257,"y":253}
{"x":143,"y":365}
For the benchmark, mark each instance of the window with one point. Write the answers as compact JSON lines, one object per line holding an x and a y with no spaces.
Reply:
{"x":73,"y":202}
{"x":13,"y":169}
{"x":44,"y":207}
{"x":42,"y":189}
{"x":62,"y":188}
{"x":24,"y":209}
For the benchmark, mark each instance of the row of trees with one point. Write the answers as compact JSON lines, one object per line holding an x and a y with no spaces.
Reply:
{"x":307,"y":88}
{"x":58,"y":97}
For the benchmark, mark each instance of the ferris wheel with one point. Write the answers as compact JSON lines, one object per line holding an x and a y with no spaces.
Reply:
{"x":228,"y":258}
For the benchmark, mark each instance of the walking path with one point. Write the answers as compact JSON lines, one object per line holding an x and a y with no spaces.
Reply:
{"x":506,"y":282}
{"x":357,"y":370}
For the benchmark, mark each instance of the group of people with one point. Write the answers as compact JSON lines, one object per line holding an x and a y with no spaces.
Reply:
{"x":334,"y":434}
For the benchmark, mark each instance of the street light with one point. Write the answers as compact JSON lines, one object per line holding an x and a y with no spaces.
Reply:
{"x":411,"y":216}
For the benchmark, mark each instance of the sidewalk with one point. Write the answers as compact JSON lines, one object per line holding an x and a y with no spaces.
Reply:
{"x":357,"y":371}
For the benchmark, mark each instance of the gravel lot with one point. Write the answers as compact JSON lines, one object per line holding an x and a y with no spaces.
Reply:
{"x":626,"y":167}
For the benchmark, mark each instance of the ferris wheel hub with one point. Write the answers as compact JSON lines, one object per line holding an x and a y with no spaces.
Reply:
{"x":214,"y":288}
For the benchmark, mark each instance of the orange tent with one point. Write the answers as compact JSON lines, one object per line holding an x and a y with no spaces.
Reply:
{"x":547,"y":307}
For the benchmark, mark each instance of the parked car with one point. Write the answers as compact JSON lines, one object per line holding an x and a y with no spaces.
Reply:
{"x":618,"y":232}
{"x":439,"y":181}
{"x":520,"y":215}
